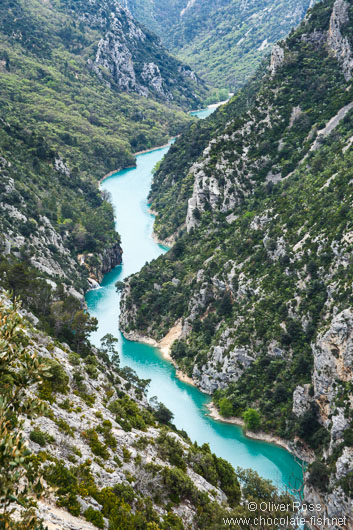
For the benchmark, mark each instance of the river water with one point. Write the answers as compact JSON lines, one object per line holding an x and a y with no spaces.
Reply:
{"x":129,"y":190}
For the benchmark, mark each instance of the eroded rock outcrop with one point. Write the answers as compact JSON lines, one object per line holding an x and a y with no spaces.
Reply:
{"x":337,"y":41}
{"x":277,"y":58}
{"x":131,"y":59}
{"x":333,"y":393}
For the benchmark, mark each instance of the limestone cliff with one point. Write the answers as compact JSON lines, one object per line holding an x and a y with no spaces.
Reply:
{"x":130,"y":58}
{"x":332,"y":377}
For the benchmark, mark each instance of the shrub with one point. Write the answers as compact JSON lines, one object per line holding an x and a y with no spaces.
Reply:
{"x":225,"y":407}
{"x":40,"y":437}
{"x":319,"y":476}
{"x":95,"y":517}
{"x":178,"y":484}
{"x":252,"y":419}
{"x":96,"y":446}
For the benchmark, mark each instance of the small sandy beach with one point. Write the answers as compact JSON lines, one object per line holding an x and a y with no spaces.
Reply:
{"x":164,"y":346}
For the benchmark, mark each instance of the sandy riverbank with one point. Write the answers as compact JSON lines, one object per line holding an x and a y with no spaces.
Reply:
{"x":165,"y":346}
{"x":169,"y":242}
{"x":155,"y":148}
{"x":216,"y":105}
{"x":212,"y":106}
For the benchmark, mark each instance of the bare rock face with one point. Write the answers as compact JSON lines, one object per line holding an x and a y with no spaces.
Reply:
{"x":131,"y":59}
{"x":301,"y":400}
{"x":111,"y":257}
{"x":221,"y":368}
{"x":115,"y":56}
{"x":333,"y":371}
{"x":333,"y":360}
{"x":277,"y":59}
{"x":338,"y":43}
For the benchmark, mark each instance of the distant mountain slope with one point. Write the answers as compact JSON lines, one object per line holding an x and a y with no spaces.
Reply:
{"x":224,"y":40}
{"x":259,"y":201}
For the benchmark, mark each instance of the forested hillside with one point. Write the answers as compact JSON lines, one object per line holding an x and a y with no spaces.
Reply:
{"x":223,"y":40}
{"x":259,"y":201}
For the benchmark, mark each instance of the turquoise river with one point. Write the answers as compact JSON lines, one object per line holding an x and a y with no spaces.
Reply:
{"x":129,"y":190}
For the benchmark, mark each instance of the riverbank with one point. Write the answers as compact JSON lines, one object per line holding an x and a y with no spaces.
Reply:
{"x":111,"y":173}
{"x":154,"y":148}
{"x":164,"y":346}
{"x":169,"y":242}
{"x":212,"y":106}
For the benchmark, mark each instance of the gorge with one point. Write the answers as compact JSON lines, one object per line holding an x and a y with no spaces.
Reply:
{"x":129,"y":189}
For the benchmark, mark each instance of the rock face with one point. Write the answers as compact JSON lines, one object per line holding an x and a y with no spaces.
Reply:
{"x":277,"y":58}
{"x":332,"y":380}
{"x":338,"y":43}
{"x":131,"y":59}
{"x":333,"y":361}
{"x":111,"y":258}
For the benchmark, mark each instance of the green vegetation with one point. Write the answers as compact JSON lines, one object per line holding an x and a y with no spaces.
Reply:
{"x":95,"y":517}
{"x":223,"y":40}
{"x":39,"y":437}
{"x":252,"y":419}
{"x":225,"y":407}
{"x":20,"y":370}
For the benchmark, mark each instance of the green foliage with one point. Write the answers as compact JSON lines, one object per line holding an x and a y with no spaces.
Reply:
{"x":252,"y":419}
{"x":39,"y":437}
{"x":228,"y":481}
{"x":171,"y":450}
{"x":96,"y":446}
{"x":310,"y":430}
{"x":95,"y":517}
{"x":319,"y":476}
{"x":178,"y":484}
{"x":60,"y":314}
{"x":20,"y":370}
{"x":225,"y":407}
{"x":160,"y":411}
